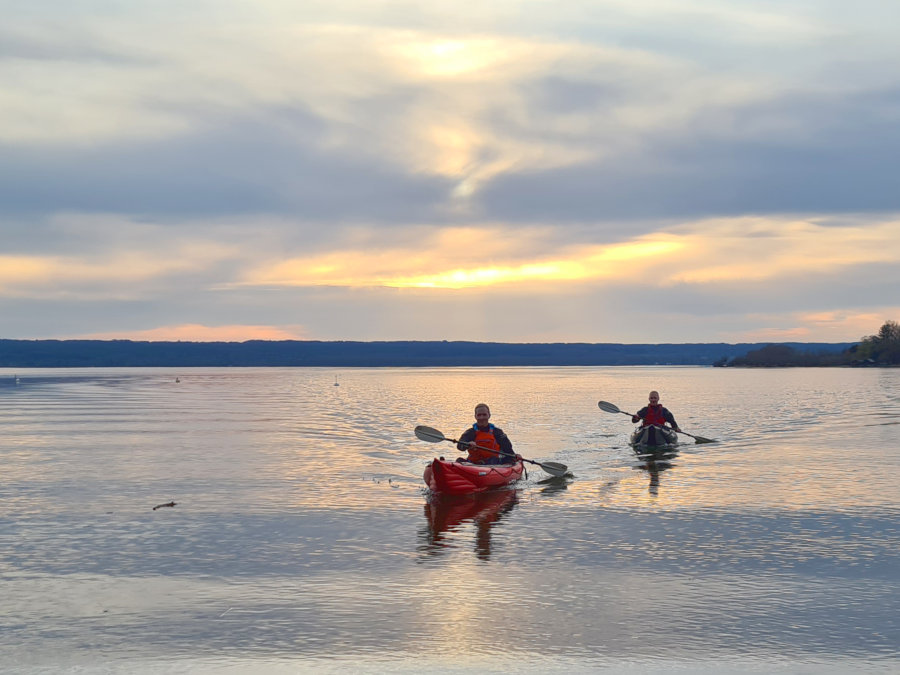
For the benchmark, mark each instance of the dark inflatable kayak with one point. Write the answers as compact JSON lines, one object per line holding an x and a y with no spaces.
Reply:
{"x":462,"y":478}
{"x":653,"y":436}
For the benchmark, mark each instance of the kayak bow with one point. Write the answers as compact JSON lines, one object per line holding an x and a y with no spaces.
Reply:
{"x":461,"y":478}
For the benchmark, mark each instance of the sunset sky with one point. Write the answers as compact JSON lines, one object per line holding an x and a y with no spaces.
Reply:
{"x":633,"y":171}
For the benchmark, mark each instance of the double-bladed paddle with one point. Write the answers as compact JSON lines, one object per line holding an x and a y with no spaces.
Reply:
{"x":611,"y":408}
{"x":434,"y":436}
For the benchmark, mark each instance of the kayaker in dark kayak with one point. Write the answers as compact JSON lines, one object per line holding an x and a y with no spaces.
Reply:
{"x":655,"y":414}
{"x":486,"y":435}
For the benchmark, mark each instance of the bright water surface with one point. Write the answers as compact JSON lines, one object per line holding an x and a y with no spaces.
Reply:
{"x":303,"y":539}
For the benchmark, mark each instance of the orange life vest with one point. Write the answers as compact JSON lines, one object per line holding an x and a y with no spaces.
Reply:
{"x":654,"y":416}
{"x":486,"y":440}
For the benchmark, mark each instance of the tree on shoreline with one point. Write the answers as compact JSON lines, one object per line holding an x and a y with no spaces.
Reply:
{"x":882,"y":349}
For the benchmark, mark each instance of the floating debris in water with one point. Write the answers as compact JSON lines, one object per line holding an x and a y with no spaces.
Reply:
{"x":159,"y":506}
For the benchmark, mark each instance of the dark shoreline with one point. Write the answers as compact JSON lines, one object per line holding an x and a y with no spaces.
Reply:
{"x":128,"y":353}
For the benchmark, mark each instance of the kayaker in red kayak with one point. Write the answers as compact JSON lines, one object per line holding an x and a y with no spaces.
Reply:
{"x":486,"y":435}
{"x":655,"y":414}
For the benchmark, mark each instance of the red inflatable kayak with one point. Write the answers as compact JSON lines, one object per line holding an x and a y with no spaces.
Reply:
{"x":461,"y":478}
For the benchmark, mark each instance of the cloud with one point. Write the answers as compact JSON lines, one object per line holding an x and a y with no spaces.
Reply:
{"x":400,"y":269}
{"x":755,"y":249}
{"x":788,"y":152}
{"x":840,"y":325}
{"x":272,"y":110}
{"x":390,"y":114}
{"x":364,"y":165}
{"x":743,"y":250}
{"x":201,"y":333}
{"x":109,"y":256}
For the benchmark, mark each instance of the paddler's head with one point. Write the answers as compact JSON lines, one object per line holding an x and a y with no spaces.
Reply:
{"x":482,"y":414}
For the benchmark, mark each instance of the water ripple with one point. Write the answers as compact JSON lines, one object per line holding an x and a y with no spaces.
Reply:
{"x":302,"y":535}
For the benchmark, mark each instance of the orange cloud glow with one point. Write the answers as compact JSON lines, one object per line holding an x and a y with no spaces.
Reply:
{"x":398,"y":268}
{"x":741,"y":250}
{"x":753,"y":249}
{"x":112,"y":272}
{"x":18,"y":269}
{"x":200,"y":333}
{"x":838,"y":326}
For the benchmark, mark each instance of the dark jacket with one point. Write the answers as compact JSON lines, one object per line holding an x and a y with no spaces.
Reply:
{"x":501,"y":438}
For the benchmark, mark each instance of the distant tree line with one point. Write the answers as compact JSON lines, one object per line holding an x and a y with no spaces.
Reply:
{"x":127,"y":353}
{"x":882,"y":349}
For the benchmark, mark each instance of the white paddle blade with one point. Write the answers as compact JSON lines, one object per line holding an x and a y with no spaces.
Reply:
{"x":428,"y":434}
{"x":608,"y":407}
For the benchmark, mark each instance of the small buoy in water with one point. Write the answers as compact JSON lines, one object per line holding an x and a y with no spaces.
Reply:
{"x":177,"y":380}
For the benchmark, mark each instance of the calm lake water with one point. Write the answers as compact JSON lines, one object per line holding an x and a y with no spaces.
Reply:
{"x":303,"y":539}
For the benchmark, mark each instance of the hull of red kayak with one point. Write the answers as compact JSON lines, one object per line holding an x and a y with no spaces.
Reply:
{"x":462,"y":478}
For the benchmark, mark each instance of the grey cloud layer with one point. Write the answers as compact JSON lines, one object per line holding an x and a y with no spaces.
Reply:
{"x":839,"y":154}
{"x":845,"y":161}
{"x":615,"y":119}
{"x":235,"y":168}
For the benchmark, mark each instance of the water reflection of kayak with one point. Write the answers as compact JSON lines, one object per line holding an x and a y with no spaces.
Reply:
{"x":448,"y":513}
{"x":461,"y":478}
{"x":653,"y":437}
{"x":654,"y":461}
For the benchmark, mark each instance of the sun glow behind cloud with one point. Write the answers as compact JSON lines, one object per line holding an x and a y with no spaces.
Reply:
{"x":594,"y":263}
{"x":450,"y":58}
{"x":400,"y":268}
{"x":739,"y":251}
